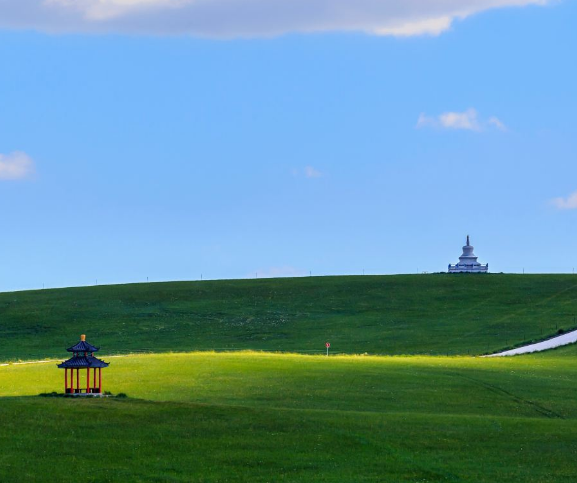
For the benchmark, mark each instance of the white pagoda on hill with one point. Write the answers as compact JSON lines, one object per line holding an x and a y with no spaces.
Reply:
{"x":468,"y":262}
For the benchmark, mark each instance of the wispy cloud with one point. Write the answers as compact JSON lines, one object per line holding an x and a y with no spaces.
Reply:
{"x":16,"y":165}
{"x":496,"y":122}
{"x":278,"y":272}
{"x":311,"y":172}
{"x":245,"y":18}
{"x":568,"y":203}
{"x":467,"y":120}
{"x":307,"y":172}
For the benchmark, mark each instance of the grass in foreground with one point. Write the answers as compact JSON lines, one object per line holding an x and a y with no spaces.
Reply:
{"x":405,"y":314}
{"x":208,"y":417}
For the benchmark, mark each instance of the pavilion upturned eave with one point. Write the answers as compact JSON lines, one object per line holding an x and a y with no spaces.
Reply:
{"x":83,"y":362}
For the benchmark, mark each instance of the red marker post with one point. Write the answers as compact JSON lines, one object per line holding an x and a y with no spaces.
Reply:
{"x":328,"y":344}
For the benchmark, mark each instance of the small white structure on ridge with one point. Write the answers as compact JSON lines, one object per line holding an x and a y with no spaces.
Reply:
{"x":468,"y":262}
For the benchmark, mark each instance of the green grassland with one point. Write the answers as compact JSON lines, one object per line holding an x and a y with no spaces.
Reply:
{"x":220,"y":417}
{"x":404,"y":314}
{"x":256,"y":416}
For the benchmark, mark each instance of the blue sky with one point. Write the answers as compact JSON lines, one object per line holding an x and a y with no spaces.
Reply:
{"x":128,"y":151}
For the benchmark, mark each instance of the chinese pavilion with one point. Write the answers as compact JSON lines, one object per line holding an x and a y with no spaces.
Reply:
{"x":468,"y":262}
{"x":83,"y":358}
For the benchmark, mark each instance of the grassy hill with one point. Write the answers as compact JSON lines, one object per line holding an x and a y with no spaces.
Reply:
{"x":212,"y":417}
{"x":404,"y":314}
{"x":240,"y":417}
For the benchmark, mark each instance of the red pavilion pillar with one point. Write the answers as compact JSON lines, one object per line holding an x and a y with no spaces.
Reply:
{"x":78,"y":379}
{"x":65,"y":380}
{"x":100,"y":380}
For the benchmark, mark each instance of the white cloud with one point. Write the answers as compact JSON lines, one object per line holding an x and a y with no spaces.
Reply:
{"x":428,"y":26}
{"x":278,"y":272}
{"x":16,"y":165}
{"x":468,"y":120}
{"x":460,"y":120}
{"x":311,"y":172}
{"x":569,"y":203}
{"x":245,"y":18}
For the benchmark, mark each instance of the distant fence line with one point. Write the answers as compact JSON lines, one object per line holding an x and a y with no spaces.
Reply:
{"x":419,"y":271}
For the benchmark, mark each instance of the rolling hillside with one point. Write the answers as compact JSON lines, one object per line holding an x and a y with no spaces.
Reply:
{"x":404,"y":314}
{"x":208,"y":416}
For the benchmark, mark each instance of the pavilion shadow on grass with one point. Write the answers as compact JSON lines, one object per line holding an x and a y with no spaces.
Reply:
{"x":83,"y":358}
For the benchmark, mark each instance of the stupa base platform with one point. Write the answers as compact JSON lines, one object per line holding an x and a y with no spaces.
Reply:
{"x":457,"y":269}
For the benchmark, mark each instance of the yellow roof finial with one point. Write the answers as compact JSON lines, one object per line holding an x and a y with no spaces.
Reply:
{"x":83,"y":338}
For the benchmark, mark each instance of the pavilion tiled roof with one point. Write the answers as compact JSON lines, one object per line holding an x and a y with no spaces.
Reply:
{"x":83,"y":361}
{"x":83,"y":346}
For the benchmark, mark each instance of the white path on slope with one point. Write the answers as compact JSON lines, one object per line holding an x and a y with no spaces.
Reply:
{"x":568,"y":338}
{"x":28,"y":362}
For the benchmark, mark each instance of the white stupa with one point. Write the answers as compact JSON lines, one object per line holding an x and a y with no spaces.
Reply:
{"x":468,"y":262}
